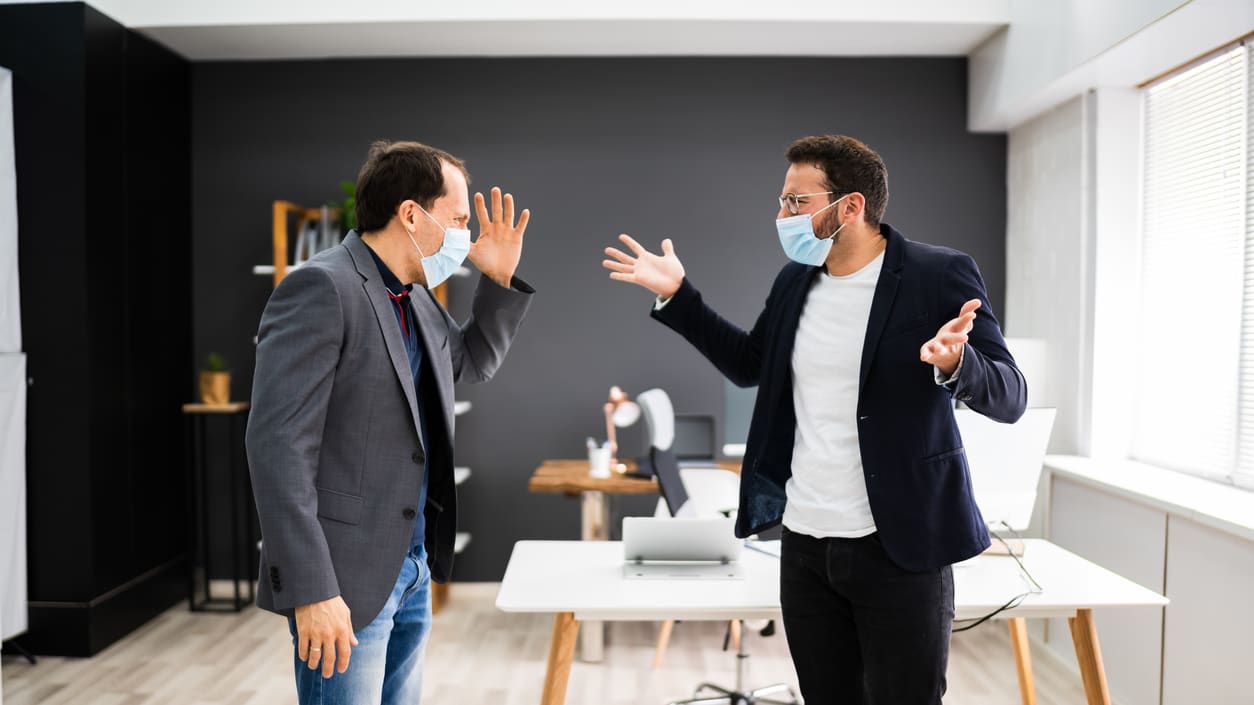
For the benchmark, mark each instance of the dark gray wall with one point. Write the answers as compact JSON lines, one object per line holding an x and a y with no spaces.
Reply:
{"x":690,"y":149}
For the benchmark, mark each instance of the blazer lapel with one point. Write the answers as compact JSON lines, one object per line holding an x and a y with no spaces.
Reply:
{"x":791,"y":304}
{"x":378,"y":296}
{"x":882,"y":302}
{"x":434,"y":329}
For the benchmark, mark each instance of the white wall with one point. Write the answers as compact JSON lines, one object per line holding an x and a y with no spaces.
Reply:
{"x":13,"y":615}
{"x":1054,"y":51}
{"x":1072,"y":260}
{"x":10,"y":323}
{"x":1045,"y":243}
{"x":13,"y":619}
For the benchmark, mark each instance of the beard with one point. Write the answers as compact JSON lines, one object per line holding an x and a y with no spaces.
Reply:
{"x":825,"y":225}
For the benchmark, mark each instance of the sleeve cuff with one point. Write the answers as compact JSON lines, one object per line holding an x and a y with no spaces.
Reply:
{"x":940,"y":377}
{"x":661,"y":303}
{"x":519,"y":285}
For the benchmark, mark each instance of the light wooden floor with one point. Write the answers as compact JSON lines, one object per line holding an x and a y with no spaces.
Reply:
{"x":477,"y":655}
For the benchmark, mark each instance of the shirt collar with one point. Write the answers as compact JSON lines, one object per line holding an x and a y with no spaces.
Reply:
{"x":390,"y":280}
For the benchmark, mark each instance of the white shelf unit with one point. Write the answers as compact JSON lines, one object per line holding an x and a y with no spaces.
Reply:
{"x":460,"y":475}
{"x":462,"y":540}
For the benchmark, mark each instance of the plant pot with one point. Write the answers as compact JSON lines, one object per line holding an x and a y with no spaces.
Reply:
{"x":215,"y":388}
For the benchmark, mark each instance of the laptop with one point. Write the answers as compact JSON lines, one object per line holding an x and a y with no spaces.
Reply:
{"x":681,"y":549}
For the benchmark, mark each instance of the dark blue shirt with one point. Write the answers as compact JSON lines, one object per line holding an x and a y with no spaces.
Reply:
{"x":408,"y":324}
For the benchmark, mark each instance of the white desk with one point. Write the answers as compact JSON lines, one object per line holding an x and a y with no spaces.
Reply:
{"x":580,"y":580}
{"x":570,"y":477}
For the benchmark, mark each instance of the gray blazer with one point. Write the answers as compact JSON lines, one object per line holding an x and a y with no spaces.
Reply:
{"x":334,"y":446}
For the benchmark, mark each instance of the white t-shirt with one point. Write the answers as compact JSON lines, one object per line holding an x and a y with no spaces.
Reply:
{"x":827,"y":491}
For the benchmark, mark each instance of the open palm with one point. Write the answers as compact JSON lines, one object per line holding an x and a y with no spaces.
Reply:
{"x":944,"y":350}
{"x":498,"y":248}
{"x":661,"y":274}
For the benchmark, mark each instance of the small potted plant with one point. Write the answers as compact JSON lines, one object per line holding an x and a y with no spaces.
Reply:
{"x":347,"y":207}
{"x":215,"y":381}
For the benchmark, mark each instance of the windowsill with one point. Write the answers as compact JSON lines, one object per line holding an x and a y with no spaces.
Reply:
{"x":1219,"y":506}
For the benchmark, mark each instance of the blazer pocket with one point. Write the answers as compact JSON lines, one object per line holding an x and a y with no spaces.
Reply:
{"x":337,"y":506}
{"x":942,"y":456}
{"x":913,"y":323}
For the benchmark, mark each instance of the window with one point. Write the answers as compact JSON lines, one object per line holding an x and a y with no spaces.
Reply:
{"x":1195,"y":410}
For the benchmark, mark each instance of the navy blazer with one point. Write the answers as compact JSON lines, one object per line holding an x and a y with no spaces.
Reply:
{"x":916,"y":471}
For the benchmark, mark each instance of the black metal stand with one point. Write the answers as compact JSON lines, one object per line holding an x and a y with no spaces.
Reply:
{"x":199,"y":596}
{"x":12,"y":645}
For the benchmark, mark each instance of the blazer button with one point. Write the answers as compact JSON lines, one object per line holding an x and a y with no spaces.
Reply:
{"x":417,"y":457}
{"x":409,"y":513}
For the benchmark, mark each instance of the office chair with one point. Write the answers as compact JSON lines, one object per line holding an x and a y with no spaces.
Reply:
{"x":718,"y":695}
{"x":716,"y":493}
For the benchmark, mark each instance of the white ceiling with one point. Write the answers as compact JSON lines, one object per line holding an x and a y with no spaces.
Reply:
{"x":305,"y":29}
{"x":572,"y":38}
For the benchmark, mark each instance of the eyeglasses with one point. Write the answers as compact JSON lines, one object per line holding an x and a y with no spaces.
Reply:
{"x":793,"y":200}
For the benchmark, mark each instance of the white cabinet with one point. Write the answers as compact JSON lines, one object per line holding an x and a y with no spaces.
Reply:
{"x":1188,"y":538}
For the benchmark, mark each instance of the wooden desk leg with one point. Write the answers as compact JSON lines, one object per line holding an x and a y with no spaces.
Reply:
{"x":439,"y":596}
{"x":561,"y":654}
{"x":663,"y":639}
{"x":595,"y":526}
{"x":595,"y":516}
{"x":1088,"y":654}
{"x":1023,"y":659}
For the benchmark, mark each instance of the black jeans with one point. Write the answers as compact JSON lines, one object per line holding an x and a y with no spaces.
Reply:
{"x":863,"y":631}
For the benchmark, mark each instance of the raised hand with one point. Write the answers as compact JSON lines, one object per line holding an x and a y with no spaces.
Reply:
{"x":498,"y":248}
{"x":945,"y":348}
{"x":660,"y":274}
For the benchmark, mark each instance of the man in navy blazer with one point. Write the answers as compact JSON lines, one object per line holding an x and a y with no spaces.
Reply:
{"x":866,"y":340}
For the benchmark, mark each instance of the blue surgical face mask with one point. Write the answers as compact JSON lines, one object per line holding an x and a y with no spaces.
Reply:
{"x":440,"y":266}
{"x":796,"y":236}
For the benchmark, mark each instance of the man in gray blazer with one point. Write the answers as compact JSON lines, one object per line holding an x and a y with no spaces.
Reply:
{"x":350,"y":439}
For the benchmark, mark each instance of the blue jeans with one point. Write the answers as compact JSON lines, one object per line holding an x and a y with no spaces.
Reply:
{"x":386,"y":665}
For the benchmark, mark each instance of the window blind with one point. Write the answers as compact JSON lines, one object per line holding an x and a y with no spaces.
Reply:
{"x":1195,"y":405}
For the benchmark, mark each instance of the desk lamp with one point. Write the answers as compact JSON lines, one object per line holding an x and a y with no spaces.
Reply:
{"x":620,"y":412}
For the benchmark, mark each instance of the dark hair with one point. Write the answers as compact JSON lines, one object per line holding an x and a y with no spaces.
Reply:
{"x":399,"y":171}
{"x":850,"y":166}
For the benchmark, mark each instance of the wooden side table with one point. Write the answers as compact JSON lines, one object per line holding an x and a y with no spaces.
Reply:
{"x":239,"y":490}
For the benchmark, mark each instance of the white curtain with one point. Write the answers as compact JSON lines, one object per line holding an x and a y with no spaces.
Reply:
{"x":12,"y":390}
